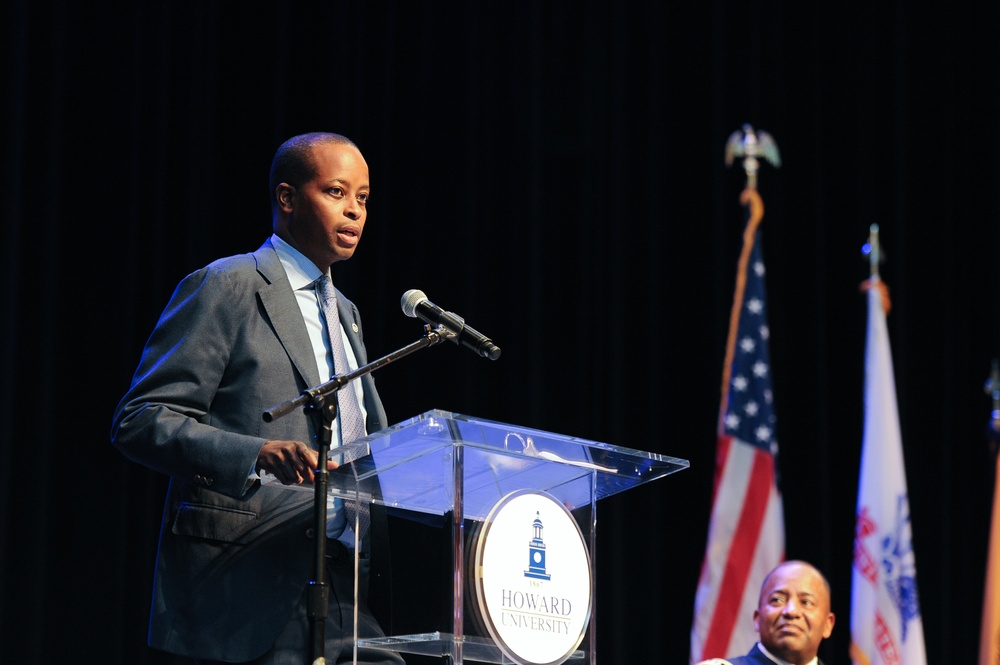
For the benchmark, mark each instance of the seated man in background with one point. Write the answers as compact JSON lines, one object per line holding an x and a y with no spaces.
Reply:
{"x":792,"y":618}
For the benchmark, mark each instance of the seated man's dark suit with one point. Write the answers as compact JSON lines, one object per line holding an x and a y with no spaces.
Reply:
{"x":754,"y":657}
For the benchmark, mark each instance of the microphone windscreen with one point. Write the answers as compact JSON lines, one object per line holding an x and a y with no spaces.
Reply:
{"x":410,"y":300}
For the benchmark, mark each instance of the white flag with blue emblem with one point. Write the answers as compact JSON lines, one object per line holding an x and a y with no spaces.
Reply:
{"x":886,"y":628}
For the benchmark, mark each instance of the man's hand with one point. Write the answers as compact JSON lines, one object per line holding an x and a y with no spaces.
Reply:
{"x":291,"y":462}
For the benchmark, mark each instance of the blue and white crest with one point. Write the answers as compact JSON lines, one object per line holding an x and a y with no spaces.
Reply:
{"x":899,"y":565}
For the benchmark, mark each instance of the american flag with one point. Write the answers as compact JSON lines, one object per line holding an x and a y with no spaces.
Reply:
{"x":746,"y":535}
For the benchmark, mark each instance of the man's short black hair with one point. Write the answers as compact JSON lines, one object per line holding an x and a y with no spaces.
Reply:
{"x":293,"y":162}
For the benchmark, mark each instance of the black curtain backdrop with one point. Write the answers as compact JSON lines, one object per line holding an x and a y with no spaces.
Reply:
{"x":552,"y":171}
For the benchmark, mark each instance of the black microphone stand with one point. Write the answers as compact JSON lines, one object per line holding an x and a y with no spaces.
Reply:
{"x":322,"y":410}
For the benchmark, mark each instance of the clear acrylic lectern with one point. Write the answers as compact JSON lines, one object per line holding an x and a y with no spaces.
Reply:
{"x":456,"y":469}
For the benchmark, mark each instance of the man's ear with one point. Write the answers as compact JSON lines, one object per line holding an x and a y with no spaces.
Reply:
{"x":756,"y":620}
{"x":828,"y":625}
{"x":285,"y":194}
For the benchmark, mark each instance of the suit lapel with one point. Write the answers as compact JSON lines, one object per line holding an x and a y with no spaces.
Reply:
{"x":350,"y":320}
{"x":283,"y":311}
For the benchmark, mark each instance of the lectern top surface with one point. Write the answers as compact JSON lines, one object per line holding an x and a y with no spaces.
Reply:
{"x":427,"y":462}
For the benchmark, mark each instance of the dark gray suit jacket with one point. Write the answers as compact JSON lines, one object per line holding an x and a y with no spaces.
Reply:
{"x":755,"y":657}
{"x":234,"y":556}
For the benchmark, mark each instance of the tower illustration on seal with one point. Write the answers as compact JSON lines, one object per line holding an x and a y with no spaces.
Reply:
{"x":536,"y":552}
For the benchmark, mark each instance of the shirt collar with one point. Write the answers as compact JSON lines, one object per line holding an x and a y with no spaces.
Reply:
{"x":301,"y":272}
{"x":779,"y":661}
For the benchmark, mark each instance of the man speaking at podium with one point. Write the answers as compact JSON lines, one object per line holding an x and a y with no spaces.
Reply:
{"x":243,"y":334}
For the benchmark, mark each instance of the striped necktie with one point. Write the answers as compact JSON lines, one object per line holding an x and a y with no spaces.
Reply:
{"x":350,"y":418}
{"x":352,"y":424}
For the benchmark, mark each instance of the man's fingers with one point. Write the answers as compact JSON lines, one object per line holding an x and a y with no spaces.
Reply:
{"x":291,"y":462}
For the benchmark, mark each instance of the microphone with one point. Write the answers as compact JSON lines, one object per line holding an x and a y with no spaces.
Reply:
{"x":416,"y":305}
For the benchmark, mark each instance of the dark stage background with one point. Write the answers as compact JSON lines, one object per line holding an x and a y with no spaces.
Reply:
{"x":554,"y":173}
